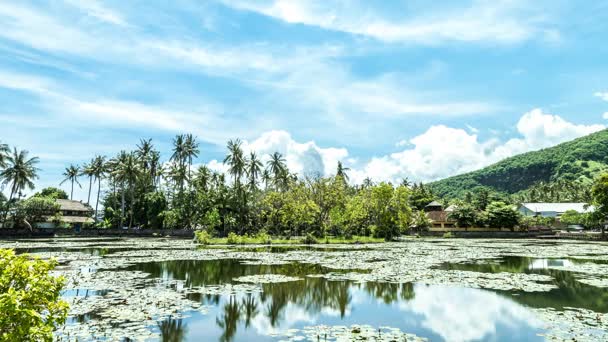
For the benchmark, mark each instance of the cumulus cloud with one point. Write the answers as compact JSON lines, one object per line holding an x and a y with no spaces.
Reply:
{"x":459,"y":314}
{"x":443,"y":151}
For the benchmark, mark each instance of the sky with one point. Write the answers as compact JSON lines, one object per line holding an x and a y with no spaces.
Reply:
{"x":393,"y":89}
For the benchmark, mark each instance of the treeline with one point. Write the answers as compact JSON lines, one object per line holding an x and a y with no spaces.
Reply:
{"x":252,"y":197}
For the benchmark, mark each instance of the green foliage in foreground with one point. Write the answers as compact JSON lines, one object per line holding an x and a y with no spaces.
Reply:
{"x":204,"y":238}
{"x":30,"y":305}
{"x":576,"y":162}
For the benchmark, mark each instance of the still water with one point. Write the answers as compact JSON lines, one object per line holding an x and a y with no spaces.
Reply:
{"x":435,"y":312}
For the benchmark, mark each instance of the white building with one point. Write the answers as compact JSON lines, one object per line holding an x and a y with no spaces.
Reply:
{"x":552,"y":209}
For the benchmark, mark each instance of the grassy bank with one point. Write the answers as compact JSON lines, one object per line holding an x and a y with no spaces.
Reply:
{"x":263,"y":239}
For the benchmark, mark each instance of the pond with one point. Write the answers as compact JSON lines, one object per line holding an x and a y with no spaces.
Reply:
{"x":418,"y":289}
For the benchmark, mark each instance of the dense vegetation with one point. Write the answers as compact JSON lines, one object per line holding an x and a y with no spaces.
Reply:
{"x":252,"y":198}
{"x":560,"y":173}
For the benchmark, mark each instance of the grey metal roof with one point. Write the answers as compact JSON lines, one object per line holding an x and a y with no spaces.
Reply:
{"x":558,"y":207}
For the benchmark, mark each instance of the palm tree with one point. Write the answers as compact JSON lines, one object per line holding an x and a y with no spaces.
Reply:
{"x":127,"y":173}
{"x":99,"y":170}
{"x":278,"y":168}
{"x":71,"y":174}
{"x":155,"y":167}
{"x":254,"y":168}
{"x":236,"y":161}
{"x":266,"y":178}
{"x":20,"y":173}
{"x":190,"y":151}
{"x":179,"y":153}
{"x":4,"y":152}
{"x":88,"y":171}
{"x":341,"y":171}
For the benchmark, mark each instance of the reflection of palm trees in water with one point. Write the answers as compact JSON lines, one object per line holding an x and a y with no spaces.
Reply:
{"x":229,"y":319}
{"x":250,"y":307}
{"x":173,"y":330}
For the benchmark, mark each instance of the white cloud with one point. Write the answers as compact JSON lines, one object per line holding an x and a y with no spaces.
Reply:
{"x":501,"y":22}
{"x":602,"y":95}
{"x":98,"y":11}
{"x":442,"y":151}
{"x":461,"y":314}
{"x":605,"y":115}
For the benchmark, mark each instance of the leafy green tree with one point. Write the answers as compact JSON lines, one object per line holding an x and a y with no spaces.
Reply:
{"x":30,"y":298}
{"x":502,"y":215}
{"x":52,"y":192}
{"x":599,"y":191}
{"x":36,"y":209}
{"x":572,"y":217}
{"x":420,"y":221}
{"x":465,"y":215}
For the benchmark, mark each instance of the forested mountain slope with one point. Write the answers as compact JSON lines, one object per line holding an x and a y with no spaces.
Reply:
{"x":577,"y":161}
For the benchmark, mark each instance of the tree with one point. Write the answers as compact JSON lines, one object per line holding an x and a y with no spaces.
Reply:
{"x":599,"y":193}
{"x":502,"y":215}
{"x":100,"y":167}
{"x":341,"y":171}
{"x":128,"y":172}
{"x":236,"y":161}
{"x":4,"y":152}
{"x":71,"y":174}
{"x":278,"y":169}
{"x":30,"y":298}
{"x":572,"y":217}
{"x":88,"y":171}
{"x":465,"y":215}
{"x":36,"y":209}
{"x":254,"y":168}
{"x":51,"y":192}
{"x":20,"y":172}
{"x":190,"y":151}
{"x":420,"y":221}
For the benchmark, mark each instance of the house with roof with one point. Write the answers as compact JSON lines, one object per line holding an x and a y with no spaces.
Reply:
{"x":554,"y":210}
{"x":73,"y":214}
{"x":439,"y":217}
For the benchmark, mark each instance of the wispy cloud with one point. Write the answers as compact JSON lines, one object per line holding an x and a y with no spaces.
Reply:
{"x":483,"y":21}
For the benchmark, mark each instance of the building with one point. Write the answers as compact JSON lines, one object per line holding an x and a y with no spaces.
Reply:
{"x":439,"y":218}
{"x":554,"y":210}
{"x":73,"y":214}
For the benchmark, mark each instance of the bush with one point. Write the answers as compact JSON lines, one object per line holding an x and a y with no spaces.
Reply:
{"x":448,"y":235}
{"x":233,"y":239}
{"x":29,"y":298}
{"x":309,"y":239}
{"x":263,"y":237}
{"x":203,"y":237}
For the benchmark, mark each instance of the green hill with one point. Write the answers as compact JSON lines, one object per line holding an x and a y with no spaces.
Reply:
{"x":578,"y":160}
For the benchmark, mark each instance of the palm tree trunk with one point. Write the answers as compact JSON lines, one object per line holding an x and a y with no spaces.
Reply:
{"x":72,"y":191}
{"x":122,"y":206}
{"x":98,"y":193}
{"x":90,"y":186}
{"x":132,"y":205}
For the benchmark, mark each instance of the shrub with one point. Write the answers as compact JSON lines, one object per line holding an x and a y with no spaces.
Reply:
{"x":203,"y":237}
{"x":448,"y":235}
{"x":29,"y":298}
{"x":263,"y":237}
{"x":233,"y":239}
{"x":309,"y":239}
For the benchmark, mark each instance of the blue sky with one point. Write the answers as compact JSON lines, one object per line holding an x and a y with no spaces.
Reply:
{"x":392,"y":88}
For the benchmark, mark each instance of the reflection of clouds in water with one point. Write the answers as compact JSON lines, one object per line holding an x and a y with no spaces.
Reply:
{"x":543,"y":264}
{"x":332,"y":312}
{"x":462,"y":314}
{"x":291,"y":316}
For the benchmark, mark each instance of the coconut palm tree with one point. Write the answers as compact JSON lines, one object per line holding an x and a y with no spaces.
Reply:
{"x":254,"y":168}
{"x":266,"y":178}
{"x":191,"y":151}
{"x":99,"y":171}
{"x":4,"y":152}
{"x":71,"y":174}
{"x":341,"y":171}
{"x":20,"y":173}
{"x":128,"y":172}
{"x":236,"y":161}
{"x":278,"y":168}
{"x":87,"y":170}
{"x":179,"y":153}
